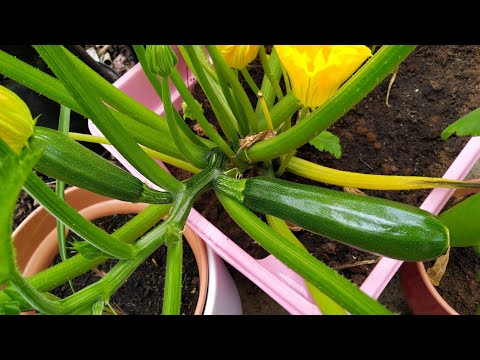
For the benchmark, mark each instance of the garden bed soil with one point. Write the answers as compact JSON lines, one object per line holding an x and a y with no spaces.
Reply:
{"x":142,"y":293}
{"x":434,"y":86}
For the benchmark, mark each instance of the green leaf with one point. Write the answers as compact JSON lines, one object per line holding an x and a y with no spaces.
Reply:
{"x":469,"y":125}
{"x":188,"y":113}
{"x":10,"y":308}
{"x":462,"y":222}
{"x":14,"y":305}
{"x":97,"y":307}
{"x":15,"y":297}
{"x":328,"y":142}
{"x":88,"y":251}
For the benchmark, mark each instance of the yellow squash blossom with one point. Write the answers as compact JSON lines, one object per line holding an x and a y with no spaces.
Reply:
{"x":16,"y":123}
{"x":317,"y":71}
{"x":238,"y":56}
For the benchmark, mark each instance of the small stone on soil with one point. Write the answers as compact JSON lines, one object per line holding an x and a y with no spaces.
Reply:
{"x":371,"y":137}
{"x":387,"y":169}
{"x":436,"y":85}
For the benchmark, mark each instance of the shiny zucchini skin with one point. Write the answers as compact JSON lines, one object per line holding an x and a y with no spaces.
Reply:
{"x":67,"y":160}
{"x":380,"y":226}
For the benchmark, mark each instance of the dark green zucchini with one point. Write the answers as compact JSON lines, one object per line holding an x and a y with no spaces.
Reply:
{"x":373,"y":224}
{"x":66,"y":160}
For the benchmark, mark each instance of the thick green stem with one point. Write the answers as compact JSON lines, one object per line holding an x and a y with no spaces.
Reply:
{"x":205,"y":61}
{"x":223,"y":70}
{"x":267,"y":88}
{"x":197,"y":112}
{"x":266,"y":112}
{"x":354,"y":90}
{"x":172,"y":299}
{"x":150,"y":138}
{"x":230,"y":131}
{"x":73,"y":220}
{"x":155,"y":154}
{"x":282,"y":111}
{"x":268,"y":72}
{"x":220,"y":108}
{"x":63,"y":127}
{"x":286,"y":79}
{"x":38,"y":300}
{"x":14,"y":170}
{"x":250,"y":81}
{"x":182,"y":144}
{"x":325,"y":304}
{"x":285,"y":161}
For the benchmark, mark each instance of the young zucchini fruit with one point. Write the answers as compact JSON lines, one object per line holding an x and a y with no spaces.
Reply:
{"x":373,"y":224}
{"x":66,"y":160}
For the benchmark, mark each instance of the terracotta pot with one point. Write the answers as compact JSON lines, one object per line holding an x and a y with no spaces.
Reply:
{"x":36,"y":245}
{"x":421,"y":296}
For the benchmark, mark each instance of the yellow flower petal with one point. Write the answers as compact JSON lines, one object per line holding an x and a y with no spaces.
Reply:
{"x":16,"y":123}
{"x":238,"y":56}
{"x":317,"y":71}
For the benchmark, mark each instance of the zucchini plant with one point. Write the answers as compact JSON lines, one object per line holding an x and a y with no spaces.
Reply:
{"x":322,"y":84}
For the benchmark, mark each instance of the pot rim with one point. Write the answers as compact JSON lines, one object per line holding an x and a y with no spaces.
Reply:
{"x":433,"y":291}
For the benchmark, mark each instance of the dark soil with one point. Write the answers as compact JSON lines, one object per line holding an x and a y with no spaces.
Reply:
{"x":142,"y":293}
{"x":24,"y":207}
{"x":26,"y":204}
{"x":434,"y":86}
{"x":460,"y":286}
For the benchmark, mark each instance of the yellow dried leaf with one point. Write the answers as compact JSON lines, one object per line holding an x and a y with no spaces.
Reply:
{"x":293,"y":227}
{"x":353,"y":190}
{"x":249,"y":140}
{"x":436,"y":272}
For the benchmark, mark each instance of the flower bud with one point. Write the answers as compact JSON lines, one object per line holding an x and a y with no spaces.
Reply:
{"x":160,"y":59}
{"x":238,"y":56}
{"x":16,"y":122}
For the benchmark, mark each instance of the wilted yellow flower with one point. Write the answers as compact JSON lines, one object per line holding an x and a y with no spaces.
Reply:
{"x":16,"y":123}
{"x":238,"y":56}
{"x":317,"y":71}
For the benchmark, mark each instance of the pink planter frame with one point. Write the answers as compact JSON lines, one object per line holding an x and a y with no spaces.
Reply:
{"x":277,"y":280}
